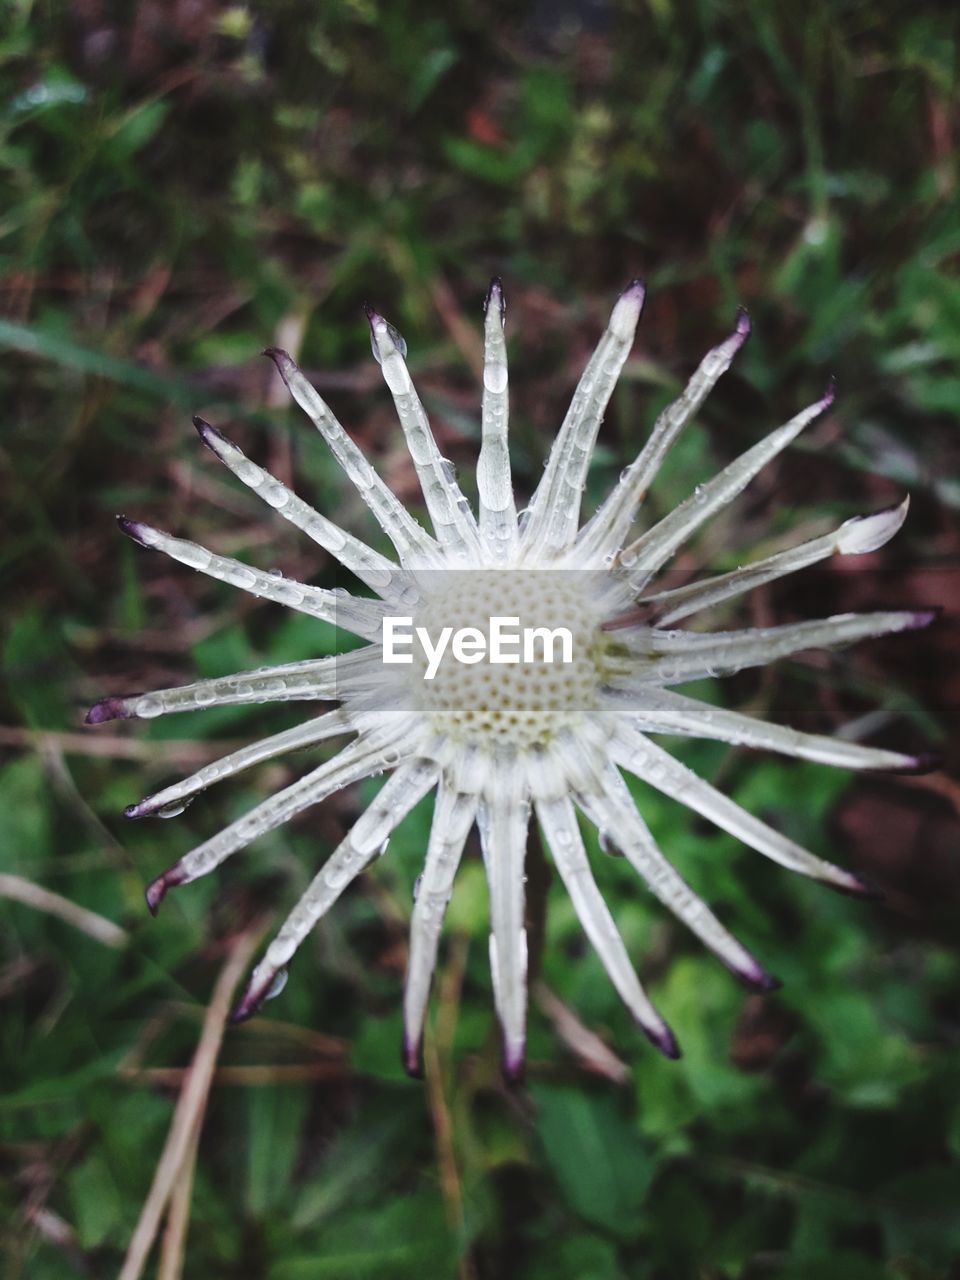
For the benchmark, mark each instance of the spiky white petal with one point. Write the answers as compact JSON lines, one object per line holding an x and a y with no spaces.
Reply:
{"x":554,"y":511}
{"x":498,"y":512}
{"x":855,"y":537}
{"x":664,"y":711}
{"x":653,"y":549}
{"x":608,"y":528}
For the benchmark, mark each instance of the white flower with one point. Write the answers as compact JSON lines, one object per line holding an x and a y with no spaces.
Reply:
{"x":495,"y":740}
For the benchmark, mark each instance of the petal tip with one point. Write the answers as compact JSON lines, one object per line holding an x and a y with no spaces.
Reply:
{"x":410,"y":1058}
{"x":663,"y":1039}
{"x":108,"y":709}
{"x":514,"y":1064}
{"x":134,"y":529}
{"x":250,"y":1002}
{"x":284,"y":362}
{"x":863,"y":887}
{"x":921,"y":618}
{"x":754,"y":976}
{"x":742,"y":325}
{"x":155,"y":893}
{"x":864,"y":534}
{"x":924,"y":762}
{"x":208,"y":433}
{"x":495,"y":296}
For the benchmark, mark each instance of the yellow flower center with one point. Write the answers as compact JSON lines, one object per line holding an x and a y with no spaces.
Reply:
{"x":541,"y":675}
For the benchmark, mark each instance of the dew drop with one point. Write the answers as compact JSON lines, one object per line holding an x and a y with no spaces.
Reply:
{"x":172,"y":810}
{"x":277,"y":985}
{"x":495,"y":377}
{"x":395,"y":338}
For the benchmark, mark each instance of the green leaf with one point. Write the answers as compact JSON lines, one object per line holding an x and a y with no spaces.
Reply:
{"x":602,"y":1165}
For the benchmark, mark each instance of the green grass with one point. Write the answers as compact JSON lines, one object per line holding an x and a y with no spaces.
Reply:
{"x":186,"y":185}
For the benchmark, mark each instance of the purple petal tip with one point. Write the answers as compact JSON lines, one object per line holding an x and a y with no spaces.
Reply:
{"x":141,"y":809}
{"x":156,"y":890}
{"x":636,"y":287}
{"x":859,"y":886}
{"x":107,"y":709}
{"x":925,"y":762}
{"x":248,"y":1004}
{"x":410,"y":1057}
{"x":514,"y":1065}
{"x":282,"y":359}
{"x":133,"y":529}
{"x":742,"y":326}
{"x":208,"y":433}
{"x":663,"y":1039}
{"x":757,"y":979}
{"x":495,"y":293}
{"x":372,"y":315}
{"x":923,"y":617}
{"x":829,"y":393}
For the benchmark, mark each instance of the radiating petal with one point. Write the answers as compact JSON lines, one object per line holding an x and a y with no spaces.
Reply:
{"x":366,"y":840}
{"x":454,"y":812}
{"x":332,"y":724}
{"x":650,"y":762}
{"x":453,"y":521}
{"x":674,"y":657}
{"x":502,"y":819}
{"x":554,"y":511}
{"x":370,"y":566}
{"x":498,"y":512}
{"x":653,"y":548}
{"x":605,"y":800}
{"x":562,"y":834}
{"x":310,"y":680}
{"x":351,"y":613}
{"x":359,"y":759}
{"x":856,"y":537}
{"x":605,"y":532}
{"x":663,"y":711}
{"x":413,"y":544}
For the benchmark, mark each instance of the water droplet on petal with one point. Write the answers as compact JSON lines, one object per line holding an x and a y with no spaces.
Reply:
{"x":277,"y":985}
{"x":395,"y":337}
{"x":173,"y":809}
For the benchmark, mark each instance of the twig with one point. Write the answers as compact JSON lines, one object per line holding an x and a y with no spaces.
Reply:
{"x":250,"y":1075}
{"x":183,"y":750}
{"x":54,"y":904}
{"x":191,"y":1104}
{"x":178,"y":1218}
{"x":586,"y":1044}
{"x":435,"y":1045}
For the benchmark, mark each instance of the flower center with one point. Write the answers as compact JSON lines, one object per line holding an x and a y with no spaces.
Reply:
{"x":522,"y":656}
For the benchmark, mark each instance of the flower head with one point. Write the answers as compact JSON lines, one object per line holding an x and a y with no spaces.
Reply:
{"x":495,"y":740}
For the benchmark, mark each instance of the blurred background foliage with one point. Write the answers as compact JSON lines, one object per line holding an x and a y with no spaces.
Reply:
{"x":183,"y":182}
